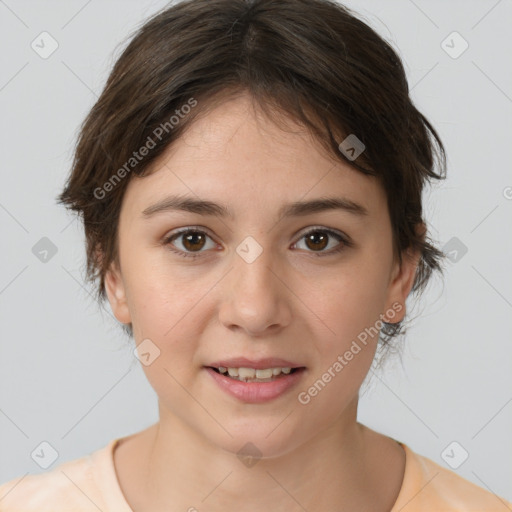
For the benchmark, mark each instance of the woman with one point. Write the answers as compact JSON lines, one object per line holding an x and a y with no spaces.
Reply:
{"x":250,"y":184}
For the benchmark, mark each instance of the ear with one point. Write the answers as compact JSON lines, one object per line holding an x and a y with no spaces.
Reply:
{"x":401,"y":283}
{"x":115,"y":289}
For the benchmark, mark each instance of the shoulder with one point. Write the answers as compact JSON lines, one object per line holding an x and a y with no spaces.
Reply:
{"x":72,"y":485}
{"x":429,"y":486}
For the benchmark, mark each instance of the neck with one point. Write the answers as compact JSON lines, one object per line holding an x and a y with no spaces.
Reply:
{"x":334,"y":470}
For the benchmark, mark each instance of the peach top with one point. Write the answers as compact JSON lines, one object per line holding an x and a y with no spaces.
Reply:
{"x":89,"y":484}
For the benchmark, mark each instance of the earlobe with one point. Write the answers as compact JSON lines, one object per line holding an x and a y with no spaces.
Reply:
{"x":116,"y":293}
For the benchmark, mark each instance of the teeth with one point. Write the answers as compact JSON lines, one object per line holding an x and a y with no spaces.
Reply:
{"x":251,"y":373}
{"x":246,"y":373}
{"x":264,"y":374}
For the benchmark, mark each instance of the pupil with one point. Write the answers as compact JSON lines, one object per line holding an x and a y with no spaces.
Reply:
{"x":317,"y":238}
{"x":191,"y":241}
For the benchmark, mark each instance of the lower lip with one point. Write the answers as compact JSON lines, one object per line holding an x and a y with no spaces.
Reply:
{"x":256,"y":392}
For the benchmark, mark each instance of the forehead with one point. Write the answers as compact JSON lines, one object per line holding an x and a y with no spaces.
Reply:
{"x":235,"y":155}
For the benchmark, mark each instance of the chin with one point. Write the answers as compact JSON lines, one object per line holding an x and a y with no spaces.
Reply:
{"x":263,"y":438}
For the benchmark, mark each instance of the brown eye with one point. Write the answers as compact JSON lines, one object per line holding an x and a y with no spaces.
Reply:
{"x":189,"y":241}
{"x":317,"y":240}
{"x":193,"y":241}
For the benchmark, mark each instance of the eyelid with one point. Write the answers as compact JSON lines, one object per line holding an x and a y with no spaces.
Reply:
{"x":343,"y":239}
{"x":168,"y":238}
{"x":186,"y":229}
{"x":312,"y":229}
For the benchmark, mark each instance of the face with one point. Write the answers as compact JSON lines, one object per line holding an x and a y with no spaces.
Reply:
{"x":259,"y":281}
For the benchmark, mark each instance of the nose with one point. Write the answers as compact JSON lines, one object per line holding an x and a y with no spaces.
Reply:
{"x":255,"y":298}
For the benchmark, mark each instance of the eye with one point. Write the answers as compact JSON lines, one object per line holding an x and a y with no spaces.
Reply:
{"x":318,"y":239}
{"x":191,"y":241}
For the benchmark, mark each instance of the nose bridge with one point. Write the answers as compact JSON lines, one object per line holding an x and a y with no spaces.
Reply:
{"x":254,"y":300}
{"x":253,"y":272}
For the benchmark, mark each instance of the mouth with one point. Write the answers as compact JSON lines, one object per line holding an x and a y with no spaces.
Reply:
{"x":243,"y":374}
{"x":256,"y":382}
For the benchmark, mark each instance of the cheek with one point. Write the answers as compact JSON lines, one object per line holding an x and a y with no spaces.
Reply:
{"x":161,"y":300}
{"x":352,"y":298}
{"x":345,"y":343}
{"x":169,"y":312}
{"x":349,"y":305}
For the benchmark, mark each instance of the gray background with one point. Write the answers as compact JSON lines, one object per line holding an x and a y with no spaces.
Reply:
{"x":67,"y":374}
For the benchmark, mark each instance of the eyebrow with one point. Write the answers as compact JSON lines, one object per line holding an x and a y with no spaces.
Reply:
{"x":295,"y":209}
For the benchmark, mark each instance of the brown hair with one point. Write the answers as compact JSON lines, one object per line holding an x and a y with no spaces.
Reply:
{"x":313,"y":60}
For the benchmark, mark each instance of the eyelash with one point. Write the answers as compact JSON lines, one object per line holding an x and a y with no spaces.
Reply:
{"x":345,"y":242}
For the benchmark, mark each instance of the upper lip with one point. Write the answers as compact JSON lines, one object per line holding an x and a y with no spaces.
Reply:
{"x":257,"y":364}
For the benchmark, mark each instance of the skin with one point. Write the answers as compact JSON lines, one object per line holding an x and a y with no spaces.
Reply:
{"x":288,"y":303}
